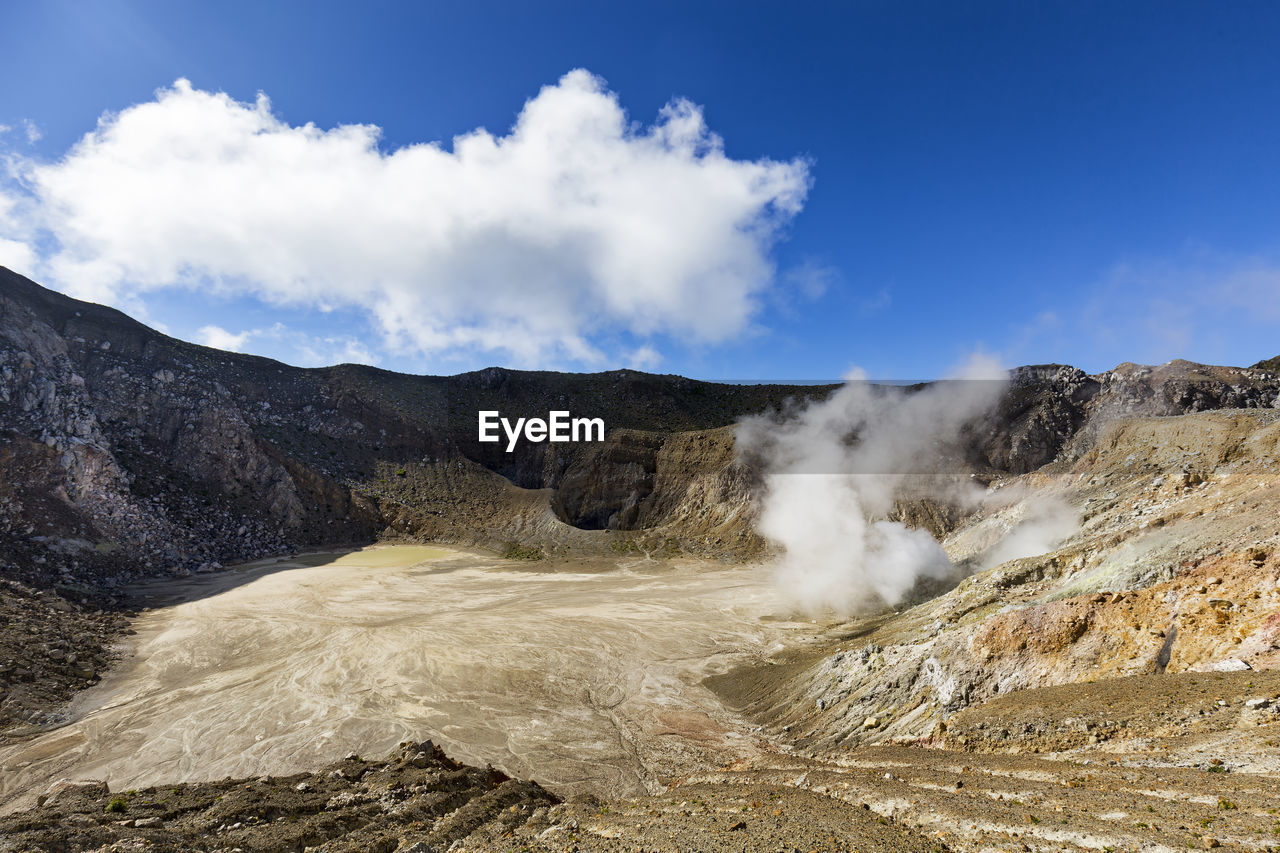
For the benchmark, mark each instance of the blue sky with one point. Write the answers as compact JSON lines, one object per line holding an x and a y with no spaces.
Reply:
{"x":1078,"y":182}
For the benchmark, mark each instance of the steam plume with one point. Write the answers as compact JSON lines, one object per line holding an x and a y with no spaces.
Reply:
{"x":1042,"y":523}
{"x":832,"y":470}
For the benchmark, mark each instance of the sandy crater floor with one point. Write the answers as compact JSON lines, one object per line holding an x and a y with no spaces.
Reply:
{"x":581,"y":676}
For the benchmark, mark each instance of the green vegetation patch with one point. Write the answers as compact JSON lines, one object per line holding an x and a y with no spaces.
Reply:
{"x":516,"y":551}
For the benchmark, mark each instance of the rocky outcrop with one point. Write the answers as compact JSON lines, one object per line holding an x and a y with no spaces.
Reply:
{"x":54,"y":642}
{"x":1174,"y":567}
{"x":417,"y":799}
{"x":132,"y":453}
{"x":1043,"y":408}
{"x":1270,"y":365}
{"x":1053,"y":412}
{"x":161,"y":456}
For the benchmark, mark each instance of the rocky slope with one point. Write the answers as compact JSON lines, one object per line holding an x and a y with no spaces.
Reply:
{"x":417,"y":799}
{"x":127,"y":454}
{"x":132,"y":452}
{"x":875,"y":799}
{"x":1174,"y":567}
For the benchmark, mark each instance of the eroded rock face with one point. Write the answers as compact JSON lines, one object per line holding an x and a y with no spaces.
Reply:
{"x":160,"y":453}
{"x":1174,"y":568}
{"x":168,"y":457}
{"x":1045,"y":407}
{"x":131,"y":453}
{"x":1053,"y":412}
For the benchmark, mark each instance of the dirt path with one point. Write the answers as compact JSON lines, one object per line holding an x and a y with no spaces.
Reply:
{"x":930,"y":799}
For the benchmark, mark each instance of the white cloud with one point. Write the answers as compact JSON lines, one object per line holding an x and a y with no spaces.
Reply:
{"x":30,"y":131}
{"x":812,"y":279}
{"x":1199,"y":304}
{"x":17,"y":256}
{"x":219,"y":338}
{"x":290,"y":345}
{"x":537,"y":244}
{"x":644,"y":358}
{"x":873,"y":305}
{"x":322,"y":351}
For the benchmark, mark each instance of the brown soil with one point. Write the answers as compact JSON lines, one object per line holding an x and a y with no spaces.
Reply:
{"x":1148,"y":713}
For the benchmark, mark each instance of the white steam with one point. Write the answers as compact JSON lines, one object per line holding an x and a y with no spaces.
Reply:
{"x":1043,"y":523}
{"x":832,"y":471}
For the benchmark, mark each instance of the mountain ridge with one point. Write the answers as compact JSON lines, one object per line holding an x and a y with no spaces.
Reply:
{"x":285,"y":457}
{"x":128,"y":454}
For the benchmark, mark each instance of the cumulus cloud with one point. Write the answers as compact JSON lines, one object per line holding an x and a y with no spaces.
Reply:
{"x":18,"y":256}
{"x":575,"y":224}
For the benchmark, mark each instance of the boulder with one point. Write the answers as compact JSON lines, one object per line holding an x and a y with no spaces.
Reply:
{"x":65,"y":787}
{"x":1230,"y":665}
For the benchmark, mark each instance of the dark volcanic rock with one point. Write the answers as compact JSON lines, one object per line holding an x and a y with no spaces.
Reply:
{"x":1043,"y":409}
{"x":416,"y":796}
{"x":128,"y":452}
{"x":54,"y":642}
